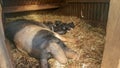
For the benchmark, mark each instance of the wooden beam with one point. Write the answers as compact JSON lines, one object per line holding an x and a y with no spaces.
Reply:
{"x":5,"y":60}
{"x":12,"y":9}
{"x":111,"y":57}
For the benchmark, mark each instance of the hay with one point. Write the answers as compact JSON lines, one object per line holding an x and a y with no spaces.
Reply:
{"x":90,"y":46}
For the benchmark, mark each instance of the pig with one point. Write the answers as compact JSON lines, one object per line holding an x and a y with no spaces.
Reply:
{"x":59,"y":27}
{"x":62,"y":28}
{"x":38,"y":41}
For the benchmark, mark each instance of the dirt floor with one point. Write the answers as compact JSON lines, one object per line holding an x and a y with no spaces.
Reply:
{"x":90,"y":47}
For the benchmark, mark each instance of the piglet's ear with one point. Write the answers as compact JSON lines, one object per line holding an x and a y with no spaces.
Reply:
{"x":57,"y":52}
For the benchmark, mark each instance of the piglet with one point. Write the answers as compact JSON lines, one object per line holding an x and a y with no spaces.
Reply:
{"x":38,"y":41}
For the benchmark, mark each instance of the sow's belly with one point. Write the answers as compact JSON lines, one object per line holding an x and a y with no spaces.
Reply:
{"x":23,"y":38}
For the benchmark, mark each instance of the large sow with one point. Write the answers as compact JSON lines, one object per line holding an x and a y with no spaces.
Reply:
{"x":38,"y":41}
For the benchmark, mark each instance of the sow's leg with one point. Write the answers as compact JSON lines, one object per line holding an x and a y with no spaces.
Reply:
{"x":44,"y":60}
{"x":68,"y":52}
{"x":60,"y":52}
{"x":57,"y":52}
{"x":71,"y":54}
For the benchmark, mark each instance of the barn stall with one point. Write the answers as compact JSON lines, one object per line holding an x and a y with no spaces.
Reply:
{"x":89,"y":17}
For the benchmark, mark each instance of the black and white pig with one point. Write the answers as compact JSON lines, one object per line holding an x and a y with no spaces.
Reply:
{"x":38,"y":41}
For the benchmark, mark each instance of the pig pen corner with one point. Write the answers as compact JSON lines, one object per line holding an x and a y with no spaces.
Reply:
{"x":88,"y":27}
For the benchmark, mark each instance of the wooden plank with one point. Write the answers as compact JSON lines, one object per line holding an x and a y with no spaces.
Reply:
{"x":29,"y":2}
{"x":77,"y":1}
{"x":12,"y":9}
{"x":5,"y":60}
{"x":111,"y":57}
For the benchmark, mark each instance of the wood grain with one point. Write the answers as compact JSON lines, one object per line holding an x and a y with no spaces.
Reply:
{"x":5,"y":60}
{"x":111,"y":55}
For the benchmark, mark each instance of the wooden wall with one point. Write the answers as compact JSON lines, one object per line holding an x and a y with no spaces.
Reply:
{"x":5,"y":60}
{"x":89,"y":10}
{"x":86,"y":9}
{"x":111,"y":57}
